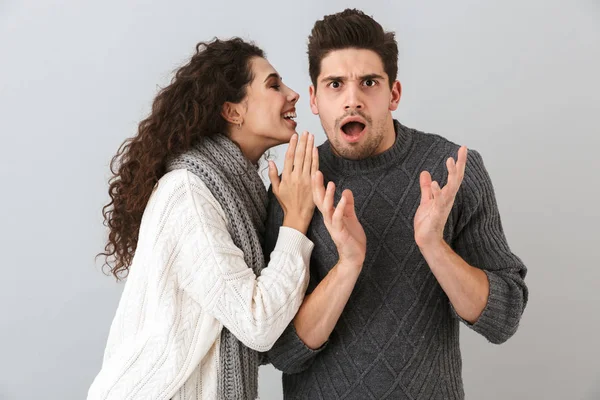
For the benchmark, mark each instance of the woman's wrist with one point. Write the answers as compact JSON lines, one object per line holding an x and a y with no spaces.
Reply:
{"x":297,"y":222}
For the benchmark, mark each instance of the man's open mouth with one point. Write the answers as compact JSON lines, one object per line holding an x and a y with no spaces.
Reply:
{"x":353,"y":128}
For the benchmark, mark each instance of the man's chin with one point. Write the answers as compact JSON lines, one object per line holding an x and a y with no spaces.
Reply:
{"x":352,"y":152}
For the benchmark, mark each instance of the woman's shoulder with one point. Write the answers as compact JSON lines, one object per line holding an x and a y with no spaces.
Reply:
{"x":181,"y":182}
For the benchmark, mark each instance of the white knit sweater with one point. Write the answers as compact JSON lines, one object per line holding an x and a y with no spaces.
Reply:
{"x":188,"y":280}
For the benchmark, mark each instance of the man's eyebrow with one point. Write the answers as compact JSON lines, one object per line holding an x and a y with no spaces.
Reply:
{"x":333,"y":78}
{"x":371,"y":76}
{"x":338,"y":78}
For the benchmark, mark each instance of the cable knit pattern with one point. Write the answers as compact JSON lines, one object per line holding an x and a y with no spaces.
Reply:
{"x":236,"y":185}
{"x":187,"y":281}
{"x":398,"y":336}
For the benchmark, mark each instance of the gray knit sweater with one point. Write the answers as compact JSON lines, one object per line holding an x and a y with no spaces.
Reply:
{"x":398,"y":337}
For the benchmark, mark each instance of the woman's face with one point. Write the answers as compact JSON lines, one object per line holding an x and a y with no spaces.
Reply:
{"x":269,"y":107}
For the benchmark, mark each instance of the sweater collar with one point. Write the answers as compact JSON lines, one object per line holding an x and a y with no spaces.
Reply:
{"x":390,"y":156}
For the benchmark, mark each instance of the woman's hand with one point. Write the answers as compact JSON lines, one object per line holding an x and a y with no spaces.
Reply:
{"x":293,"y":189}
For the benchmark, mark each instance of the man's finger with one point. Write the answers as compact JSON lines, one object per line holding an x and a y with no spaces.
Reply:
{"x":318,"y":189}
{"x":461,"y":164}
{"x":452,"y":175}
{"x":425,"y":182}
{"x":337,"y":220}
{"x":436,"y":191}
{"x":349,"y":196}
{"x":327,"y":210}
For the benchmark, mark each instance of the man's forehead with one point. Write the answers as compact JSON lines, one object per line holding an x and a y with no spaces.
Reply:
{"x":351,"y":63}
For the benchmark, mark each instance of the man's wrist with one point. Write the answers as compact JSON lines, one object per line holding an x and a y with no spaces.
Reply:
{"x":435,"y":251}
{"x":433,"y":246}
{"x":350,"y":268}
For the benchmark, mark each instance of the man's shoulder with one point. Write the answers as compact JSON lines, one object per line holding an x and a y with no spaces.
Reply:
{"x":433,"y":142}
{"x":435,"y":147}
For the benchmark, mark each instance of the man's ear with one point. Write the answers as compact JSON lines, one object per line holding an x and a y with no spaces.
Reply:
{"x":312,"y":91}
{"x":395,"y":96}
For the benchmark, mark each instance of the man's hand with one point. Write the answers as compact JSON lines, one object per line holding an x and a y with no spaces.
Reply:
{"x":341,"y":222}
{"x":436,"y":203}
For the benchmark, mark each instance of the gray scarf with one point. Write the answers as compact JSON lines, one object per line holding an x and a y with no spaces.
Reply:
{"x":234,"y":182}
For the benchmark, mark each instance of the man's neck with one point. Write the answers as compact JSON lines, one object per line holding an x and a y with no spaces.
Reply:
{"x":389,"y":138}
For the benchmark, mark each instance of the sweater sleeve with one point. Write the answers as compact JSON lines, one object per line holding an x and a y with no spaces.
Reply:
{"x":481,"y":242}
{"x":289,"y":354}
{"x":255,"y":309}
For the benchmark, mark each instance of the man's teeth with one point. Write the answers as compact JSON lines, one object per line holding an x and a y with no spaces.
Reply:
{"x":289,"y":115}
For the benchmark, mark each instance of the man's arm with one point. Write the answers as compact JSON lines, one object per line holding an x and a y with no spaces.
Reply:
{"x":467,"y":287}
{"x":289,"y":354}
{"x":321,"y":309}
{"x":482,"y":278}
{"x":308,"y":334}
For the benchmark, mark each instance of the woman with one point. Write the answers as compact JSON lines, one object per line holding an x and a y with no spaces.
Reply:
{"x":186,"y":220}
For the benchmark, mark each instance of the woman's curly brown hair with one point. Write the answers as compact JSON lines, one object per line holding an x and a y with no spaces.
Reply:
{"x":188,"y":108}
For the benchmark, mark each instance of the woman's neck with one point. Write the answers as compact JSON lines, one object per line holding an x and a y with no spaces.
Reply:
{"x":252,"y":146}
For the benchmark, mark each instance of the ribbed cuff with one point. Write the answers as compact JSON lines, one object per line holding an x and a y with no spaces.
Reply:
{"x":290,"y":354}
{"x":293,"y":242}
{"x":499,"y":319}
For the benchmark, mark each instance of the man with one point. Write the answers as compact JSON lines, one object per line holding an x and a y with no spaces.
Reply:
{"x":387,"y":325}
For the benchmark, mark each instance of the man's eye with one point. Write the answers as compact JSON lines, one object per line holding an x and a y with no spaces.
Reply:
{"x":334,"y":84}
{"x":370,"y":82}
{"x":276,"y":86}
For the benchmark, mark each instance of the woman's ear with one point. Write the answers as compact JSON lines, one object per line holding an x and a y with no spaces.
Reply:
{"x":232,"y":113}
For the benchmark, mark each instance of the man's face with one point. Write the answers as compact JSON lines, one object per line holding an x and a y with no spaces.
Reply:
{"x":353,"y":100}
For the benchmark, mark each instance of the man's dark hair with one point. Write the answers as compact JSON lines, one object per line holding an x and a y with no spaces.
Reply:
{"x":351,"y":29}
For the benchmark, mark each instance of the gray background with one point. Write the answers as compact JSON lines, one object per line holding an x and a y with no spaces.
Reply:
{"x":516,"y":80}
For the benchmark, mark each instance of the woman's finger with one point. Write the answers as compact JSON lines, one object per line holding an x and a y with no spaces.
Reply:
{"x":288,"y":164}
{"x":300,"y":151}
{"x":308,"y":154}
{"x":274,"y":177}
